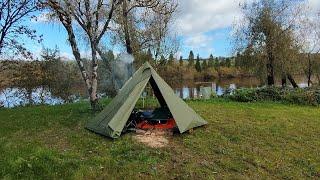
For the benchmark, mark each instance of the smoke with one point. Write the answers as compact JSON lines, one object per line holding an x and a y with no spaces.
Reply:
{"x":125,"y":57}
{"x":122,"y":69}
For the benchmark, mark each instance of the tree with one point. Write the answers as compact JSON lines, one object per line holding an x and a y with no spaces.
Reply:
{"x":211,"y":61}
{"x":12,"y":29}
{"x":163,"y":61}
{"x":268,"y":30}
{"x":94,"y":19}
{"x":309,"y":38}
{"x":228,"y":62}
{"x":58,"y":75}
{"x":144,"y":24}
{"x":191,"y":59}
{"x":171,"y":59}
{"x":238,"y":60}
{"x":198,"y":65}
{"x":204,"y":65}
{"x":181,"y":61}
{"x":216,"y":62}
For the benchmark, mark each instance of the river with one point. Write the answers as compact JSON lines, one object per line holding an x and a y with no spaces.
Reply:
{"x":13,"y":96}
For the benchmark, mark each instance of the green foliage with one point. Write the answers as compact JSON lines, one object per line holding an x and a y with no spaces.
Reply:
{"x":244,"y":95}
{"x":191,"y":59}
{"x":216,"y":63}
{"x":181,"y":61}
{"x":211,"y":61}
{"x":108,"y":57}
{"x":228,"y":62}
{"x":268,"y":42}
{"x":213,"y":95}
{"x":204,"y":65}
{"x":198,"y":65}
{"x":307,"y":96}
{"x":162,"y":61}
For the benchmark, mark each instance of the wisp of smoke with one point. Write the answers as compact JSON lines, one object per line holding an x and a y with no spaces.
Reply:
{"x":122,"y":69}
{"x":125,"y":57}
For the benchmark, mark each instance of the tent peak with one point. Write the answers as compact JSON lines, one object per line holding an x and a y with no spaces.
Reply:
{"x":147,"y":64}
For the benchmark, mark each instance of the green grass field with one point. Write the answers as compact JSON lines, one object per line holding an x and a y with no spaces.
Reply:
{"x":242,"y":140}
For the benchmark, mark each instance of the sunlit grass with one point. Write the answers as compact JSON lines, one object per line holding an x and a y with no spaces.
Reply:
{"x":242,"y":140}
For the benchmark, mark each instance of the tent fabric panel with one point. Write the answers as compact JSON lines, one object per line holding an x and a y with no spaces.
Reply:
{"x":125,"y":93}
{"x":185,"y":117}
{"x":111,"y":109}
{"x":121,"y":117}
{"x":100,"y":124}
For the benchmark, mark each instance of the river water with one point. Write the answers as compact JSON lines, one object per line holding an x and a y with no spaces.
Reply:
{"x":12,"y":97}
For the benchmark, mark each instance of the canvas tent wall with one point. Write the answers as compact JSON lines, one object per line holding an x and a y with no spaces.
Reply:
{"x":112,"y":120}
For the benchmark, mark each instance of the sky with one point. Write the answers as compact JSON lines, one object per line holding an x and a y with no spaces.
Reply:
{"x":204,"y":26}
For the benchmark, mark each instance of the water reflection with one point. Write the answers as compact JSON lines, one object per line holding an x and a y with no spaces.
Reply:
{"x":204,"y":90}
{"x":11,"y":97}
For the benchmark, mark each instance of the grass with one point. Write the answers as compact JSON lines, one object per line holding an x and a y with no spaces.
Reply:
{"x":242,"y":140}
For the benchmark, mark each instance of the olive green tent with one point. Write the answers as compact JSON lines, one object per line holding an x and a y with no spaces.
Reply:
{"x":112,"y":120}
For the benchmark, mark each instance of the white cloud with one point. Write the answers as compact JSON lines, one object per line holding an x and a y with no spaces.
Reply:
{"x":314,"y":5}
{"x":199,"y":16}
{"x":199,"y":43}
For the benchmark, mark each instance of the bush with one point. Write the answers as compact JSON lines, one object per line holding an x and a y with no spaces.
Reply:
{"x":244,"y":95}
{"x":305,"y":96}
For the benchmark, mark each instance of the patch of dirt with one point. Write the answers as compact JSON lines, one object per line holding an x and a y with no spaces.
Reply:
{"x":154,"y":138}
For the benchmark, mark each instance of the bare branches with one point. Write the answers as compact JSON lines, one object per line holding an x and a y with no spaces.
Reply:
{"x":12,"y":13}
{"x":114,"y":4}
{"x":144,"y":24}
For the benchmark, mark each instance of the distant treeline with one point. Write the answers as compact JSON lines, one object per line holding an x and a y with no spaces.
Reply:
{"x":64,"y":79}
{"x":241,"y":65}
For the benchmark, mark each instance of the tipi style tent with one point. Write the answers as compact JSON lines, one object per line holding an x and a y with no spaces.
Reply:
{"x":112,"y":120}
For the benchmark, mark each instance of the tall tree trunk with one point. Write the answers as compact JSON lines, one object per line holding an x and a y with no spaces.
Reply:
{"x":126,"y":28}
{"x":292,"y":81}
{"x":88,"y":19}
{"x":309,"y":70}
{"x":94,"y":78}
{"x":270,"y":68}
{"x":67,"y":23}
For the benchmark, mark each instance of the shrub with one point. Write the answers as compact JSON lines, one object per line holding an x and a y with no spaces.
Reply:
{"x":305,"y":96}
{"x":244,"y":95}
